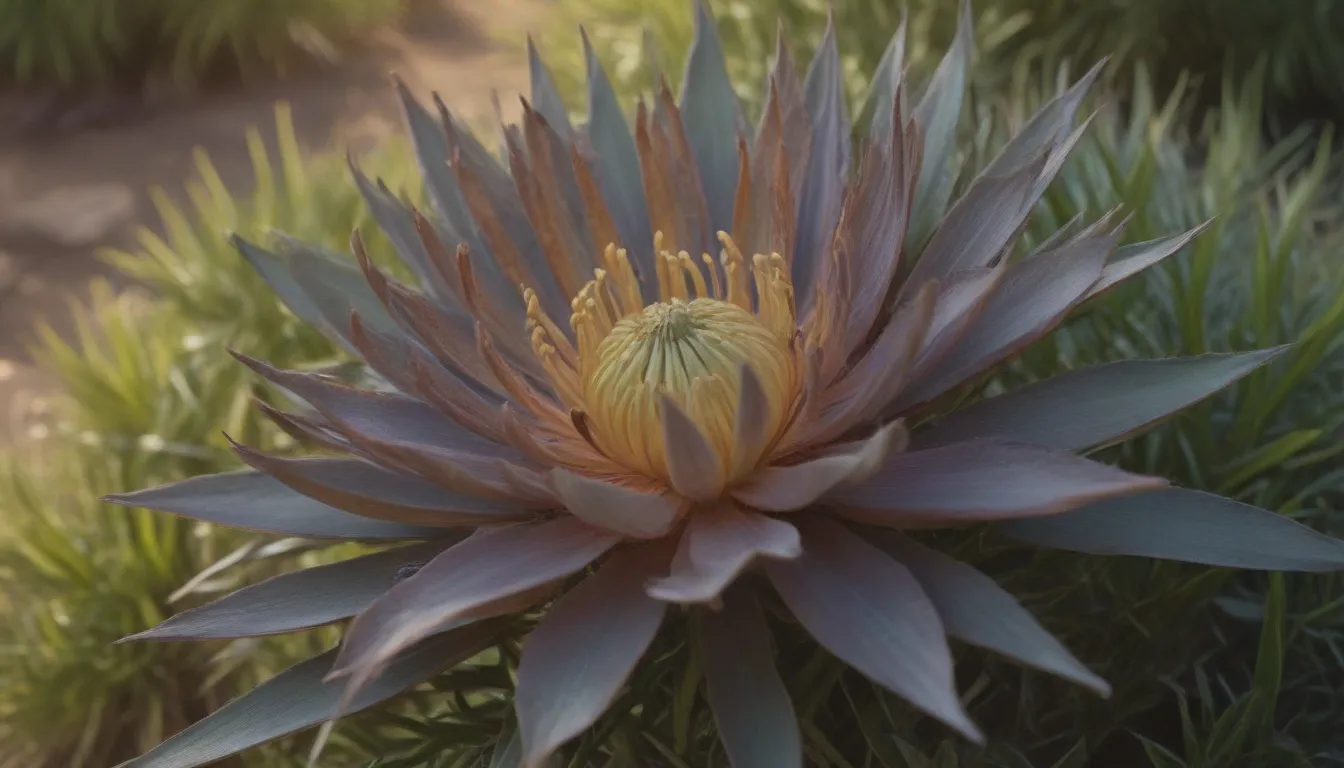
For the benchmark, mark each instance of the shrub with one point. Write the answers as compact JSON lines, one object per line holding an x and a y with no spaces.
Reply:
{"x":84,"y":42}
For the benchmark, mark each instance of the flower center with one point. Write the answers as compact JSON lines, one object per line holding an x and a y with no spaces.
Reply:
{"x":689,"y":346}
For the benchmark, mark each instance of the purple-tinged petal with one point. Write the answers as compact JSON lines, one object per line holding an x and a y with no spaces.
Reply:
{"x":751,"y":425}
{"x":1032,"y":298}
{"x":1048,"y":129}
{"x":491,"y":566}
{"x":1093,"y":406}
{"x":618,"y":168}
{"x":254,"y":501}
{"x":937,"y":115}
{"x":982,"y":480}
{"x":576,"y":660}
{"x":615,"y":508}
{"x":869,"y":611}
{"x":694,"y":467}
{"x":545,"y":96}
{"x":1129,"y":260}
{"x":976,"y":610}
{"x":1189,"y":526}
{"x":755,"y":717}
{"x":881,"y":100}
{"x":713,"y":118}
{"x":311,"y":597}
{"x":298,"y":698}
{"x":828,"y":165}
{"x":795,"y":486}
{"x":365,"y":489}
{"x":719,"y":542}
{"x":397,"y":221}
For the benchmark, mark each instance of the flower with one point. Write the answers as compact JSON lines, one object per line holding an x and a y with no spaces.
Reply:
{"x":582,"y":394}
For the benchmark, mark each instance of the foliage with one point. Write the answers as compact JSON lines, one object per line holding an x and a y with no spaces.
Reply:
{"x":83,"y":42}
{"x":150,"y":397}
{"x":1298,"y":43}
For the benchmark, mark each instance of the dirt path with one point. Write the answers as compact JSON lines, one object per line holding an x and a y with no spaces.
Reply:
{"x":93,"y":183}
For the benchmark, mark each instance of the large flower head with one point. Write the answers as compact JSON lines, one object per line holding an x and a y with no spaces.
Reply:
{"x":679,"y":361}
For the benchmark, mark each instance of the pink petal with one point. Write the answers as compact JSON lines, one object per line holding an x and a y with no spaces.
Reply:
{"x":718,"y":544}
{"x":577,"y":658}
{"x":615,"y":508}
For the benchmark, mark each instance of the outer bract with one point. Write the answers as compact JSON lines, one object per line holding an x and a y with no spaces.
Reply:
{"x":684,"y":351}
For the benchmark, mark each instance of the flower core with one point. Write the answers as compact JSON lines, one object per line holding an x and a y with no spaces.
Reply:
{"x":689,"y":346}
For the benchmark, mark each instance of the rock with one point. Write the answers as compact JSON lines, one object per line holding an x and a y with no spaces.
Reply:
{"x":73,"y":217}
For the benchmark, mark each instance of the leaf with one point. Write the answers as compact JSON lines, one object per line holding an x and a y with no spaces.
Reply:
{"x":302,"y":599}
{"x":755,"y":717}
{"x":1190,"y":526}
{"x":1080,"y":409}
{"x":297,"y":699}
{"x":257,"y":502}
{"x":576,"y":660}
{"x":981,"y":480}
{"x":869,"y":611}
{"x":976,"y":610}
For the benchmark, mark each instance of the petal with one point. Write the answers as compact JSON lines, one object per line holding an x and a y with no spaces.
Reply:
{"x":978,"y":611}
{"x":545,"y":96}
{"x":1048,"y":129}
{"x":828,"y":164}
{"x":870,"y":612}
{"x":751,"y":423}
{"x":365,"y":489}
{"x":1190,"y":526}
{"x":937,"y":115}
{"x":397,"y":221}
{"x":275,"y":271}
{"x":618,"y":167}
{"x":576,"y":660}
{"x":1033,"y":297}
{"x":301,"y":599}
{"x":616,"y":508}
{"x":1129,"y":260}
{"x":298,"y":698}
{"x":256,"y":502}
{"x":490,"y":566}
{"x":1081,"y":409}
{"x":752,"y":710}
{"x":713,"y":118}
{"x":982,"y":480}
{"x":693,"y":466}
{"x":793,"y":487}
{"x":719,"y":543}
{"x":880,"y":102}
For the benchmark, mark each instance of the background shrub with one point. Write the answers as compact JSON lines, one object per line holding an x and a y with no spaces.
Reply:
{"x":85,"y":42}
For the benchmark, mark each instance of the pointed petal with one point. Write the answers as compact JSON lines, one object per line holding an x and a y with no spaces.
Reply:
{"x":431,"y":150}
{"x":297,"y":699}
{"x":937,"y":115}
{"x":713,"y":118}
{"x":618,"y":165}
{"x":615,"y":508}
{"x":982,"y":480}
{"x":297,"y":600}
{"x":576,"y":660}
{"x":793,"y":487}
{"x":694,"y":467}
{"x":397,"y":221}
{"x":828,"y":164}
{"x":1032,"y":298}
{"x":367,"y":490}
{"x":1081,"y":409}
{"x":979,"y":226}
{"x":490,"y":566}
{"x":978,"y":611}
{"x":256,"y":502}
{"x":336,"y":287}
{"x":1190,"y":526}
{"x":870,"y":612}
{"x":717,"y":545}
{"x":545,"y":96}
{"x":1129,"y":260}
{"x":275,"y":271}
{"x":751,"y":425}
{"x":752,"y":710}
{"x":1047,"y":129}
{"x":881,"y":99}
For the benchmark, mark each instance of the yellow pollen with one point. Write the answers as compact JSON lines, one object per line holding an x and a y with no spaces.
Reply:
{"x":690,"y":345}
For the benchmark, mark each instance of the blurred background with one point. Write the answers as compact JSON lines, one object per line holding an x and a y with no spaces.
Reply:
{"x":135,"y":134}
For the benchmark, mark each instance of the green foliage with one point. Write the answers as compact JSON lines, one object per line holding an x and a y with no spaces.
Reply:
{"x":81,"y":42}
{"x":150,"y":395}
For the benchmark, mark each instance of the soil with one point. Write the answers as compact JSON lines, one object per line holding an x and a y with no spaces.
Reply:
{"x":74,"y":177}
